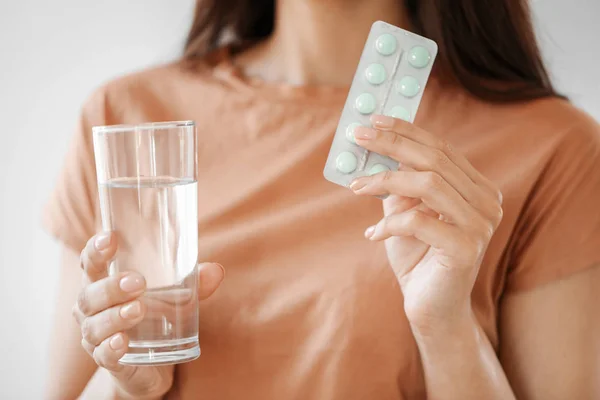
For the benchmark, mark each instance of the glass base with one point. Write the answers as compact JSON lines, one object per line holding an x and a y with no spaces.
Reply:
{"x":161,"y":353}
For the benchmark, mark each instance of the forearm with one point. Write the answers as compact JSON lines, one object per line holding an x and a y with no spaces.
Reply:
{"x":460,"y":363}
{"x":69,"y":366}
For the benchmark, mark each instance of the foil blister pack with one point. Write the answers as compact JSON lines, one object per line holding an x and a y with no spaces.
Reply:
{"x":390,"y":79}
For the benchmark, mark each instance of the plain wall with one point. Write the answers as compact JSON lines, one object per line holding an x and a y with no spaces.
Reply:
{"x":54,"y":53}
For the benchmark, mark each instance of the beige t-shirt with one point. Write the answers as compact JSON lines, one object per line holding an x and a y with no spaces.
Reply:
{"x":309,"y":308}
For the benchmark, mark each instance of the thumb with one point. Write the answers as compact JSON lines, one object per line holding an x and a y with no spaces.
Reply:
{"x":210,"y":276}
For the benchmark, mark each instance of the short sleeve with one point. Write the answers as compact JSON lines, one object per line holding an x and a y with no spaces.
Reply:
{"x":71,"y":213}
{"x":558,"y":233}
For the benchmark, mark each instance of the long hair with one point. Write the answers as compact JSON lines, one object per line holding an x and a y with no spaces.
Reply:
{"x":487,"y":46}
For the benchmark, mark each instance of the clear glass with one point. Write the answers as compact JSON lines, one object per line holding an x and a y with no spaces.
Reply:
{"x":147,"y":181}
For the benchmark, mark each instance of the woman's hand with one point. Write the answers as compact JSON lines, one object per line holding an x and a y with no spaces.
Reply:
{"x":109,"y":305}
{"x":438,"y":219}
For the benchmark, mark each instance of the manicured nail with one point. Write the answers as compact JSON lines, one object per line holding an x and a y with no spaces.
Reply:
{"x":102,"y":241}
{"x":117,"y":342}
{"x":131,"y":310}
{"x":382,"y":121}
{"x":132,"y":283}
{"x":369,"y":232}
{"x":364,"y":133}
{"x":358,"y":184}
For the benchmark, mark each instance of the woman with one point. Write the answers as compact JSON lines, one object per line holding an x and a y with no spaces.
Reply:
{"x":462,"y":307}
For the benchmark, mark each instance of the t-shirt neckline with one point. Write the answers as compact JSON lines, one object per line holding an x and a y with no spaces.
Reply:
{"x":226,"y":70}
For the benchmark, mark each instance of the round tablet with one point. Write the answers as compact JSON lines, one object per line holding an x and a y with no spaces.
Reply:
{"x":399,"y":112}
{"x":375,"y":74}
{"x":386,"y":44}
{"x":346,"y":162}
{"x":377,"y":168}
{"x":350,"y":132}
{"x":408,"y":86}
{"x":365,"y":103}
{"x":419,"y":57}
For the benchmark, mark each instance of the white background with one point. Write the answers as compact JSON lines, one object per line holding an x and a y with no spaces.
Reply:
{"x":54,"y":53}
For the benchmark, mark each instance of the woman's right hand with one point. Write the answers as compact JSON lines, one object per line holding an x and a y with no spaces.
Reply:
{"x":108,"y":306}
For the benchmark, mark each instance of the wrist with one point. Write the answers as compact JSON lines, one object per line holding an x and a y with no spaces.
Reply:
{"x":444,"y":305}
{"x":448,"y":343}
{"x":459,"y":324}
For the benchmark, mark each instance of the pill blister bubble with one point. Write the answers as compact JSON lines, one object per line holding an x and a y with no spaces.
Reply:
{"x":350,"y":132}
{"x":375,"y":74}
{"x":346,"y":162}
{"x":408,"y":86}
{"x":365,"y":103}
{"x":386,"y":44}
{"x":419,"y":57}
{"x":399,"y":112}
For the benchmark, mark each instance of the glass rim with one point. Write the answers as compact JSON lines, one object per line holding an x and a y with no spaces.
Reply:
{"x":141,"y":127}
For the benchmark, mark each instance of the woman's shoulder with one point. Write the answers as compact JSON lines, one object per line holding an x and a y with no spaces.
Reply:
{"x":536,"y":130}
{"x":561,"y":121}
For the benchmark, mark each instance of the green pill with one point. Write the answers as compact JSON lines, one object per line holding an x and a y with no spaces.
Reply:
{"x":365,"y":103}
{"x":386,"y":44}
{"x":408,"y":86}
{"x":346,"y":162}
{"x":375,"y":74}
{"x":377,"y":168}
{"x":419,"y":57}
{"x":399,"y":112}
{"x":350,"y":132}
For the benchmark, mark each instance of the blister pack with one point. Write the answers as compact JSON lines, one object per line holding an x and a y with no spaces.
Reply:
{"x":390,"y":79}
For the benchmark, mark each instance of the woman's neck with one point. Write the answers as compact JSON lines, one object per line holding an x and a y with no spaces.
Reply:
{"x":318,"y":42}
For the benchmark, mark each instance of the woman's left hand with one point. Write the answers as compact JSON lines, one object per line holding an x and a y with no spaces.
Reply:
{"x":438,"y":220}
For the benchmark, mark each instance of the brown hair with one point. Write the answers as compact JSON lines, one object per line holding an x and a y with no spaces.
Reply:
{"x":487,"y":46}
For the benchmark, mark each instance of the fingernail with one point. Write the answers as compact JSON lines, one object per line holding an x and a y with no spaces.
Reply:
{"x":117,"y":342}
{"x":132,"y":283}
{"x":102,"y":241}
{"x":131,"y":310}
{"x":382,"y":121}
{"x":369,"y":232}
{"x":358,"y":184}
{"x":364,"y":133}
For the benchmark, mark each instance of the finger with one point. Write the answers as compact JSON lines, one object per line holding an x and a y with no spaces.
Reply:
{"x":77,"y":314}
{"x":88,"y":347}
{"x":110,"y":291}
{"x":426,"y":228}
{"x":411,"y":131}
{"x":111,"y":350}
{"x":396,"y":204}
{"x":423,"y":158}
{"x":210,"y":276}
{"x":430,"y":187}
{"x":97,"y":328}
{"x":444,"y":237}
{"x":451,"y":241}
{"x":108,"y":353}
{"x":98,"y":251}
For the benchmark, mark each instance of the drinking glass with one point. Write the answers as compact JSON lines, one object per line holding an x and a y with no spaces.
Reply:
{"x":148,"y":192}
